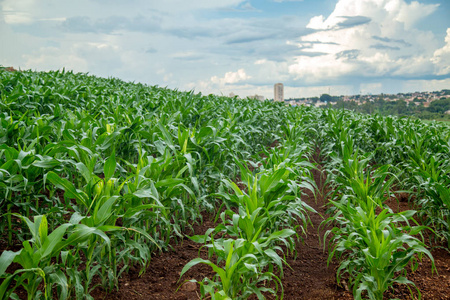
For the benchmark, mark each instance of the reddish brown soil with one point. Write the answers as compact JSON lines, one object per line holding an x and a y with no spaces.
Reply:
{"x":308,"y":277}
{"x":10,"y":69}
{"x":162,"y":278}
{"x":432,"y":285}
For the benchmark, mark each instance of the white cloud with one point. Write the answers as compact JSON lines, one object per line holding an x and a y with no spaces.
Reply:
{"x":18,"y":18}
{"x":317,"y":22}
{"x":196,"y":43}
{"x":231,"y":77}
{"x":441,"y":57}
{"x":371,"y":88}
{"x":186,"y":55}
{"x":16,"y":12}
{"x":425,"y":85}
{"x":93,"y":8}
{"x":261,"y":61}
{"x":315,"y":69}
{"x":52,"y":59}
{"x":409,"y":14}
{"x":368,"y":38}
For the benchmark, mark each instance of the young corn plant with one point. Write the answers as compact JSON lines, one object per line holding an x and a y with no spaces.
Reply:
{"x":248,"y":266}
{"x":375,"y":249}
{"x":431,"y":180}
{"x":272,"y":198}
{"x":158,"y":188}
{"x":36,"y":256}
{"x":266,"y":212}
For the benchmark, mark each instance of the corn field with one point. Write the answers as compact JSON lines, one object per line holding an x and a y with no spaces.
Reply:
{"x":98,"y":175}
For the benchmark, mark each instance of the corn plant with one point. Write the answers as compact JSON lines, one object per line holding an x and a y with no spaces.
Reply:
{"x":134,"y":166}
{"x":266,"y":212}
{"x":248,"y":265}
{"x":375,"y":248}
{"x":36,"y":257}
{"x":431,"y":180}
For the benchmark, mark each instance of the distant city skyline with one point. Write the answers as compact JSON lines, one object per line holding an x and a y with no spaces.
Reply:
{"x":240,"y":46}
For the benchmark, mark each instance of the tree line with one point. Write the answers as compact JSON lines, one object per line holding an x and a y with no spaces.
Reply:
{"x":435,"y":111}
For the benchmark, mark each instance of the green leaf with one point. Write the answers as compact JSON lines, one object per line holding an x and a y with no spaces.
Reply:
{"x":132,"y":211}
{"x":199,"y":260}
{"x":80,"y":234}
{"x":46,"y":162}
{"x":60,"y":279}
{"x":43,"y":229}
{"x":141,"y":231}
{"x":84,"y":171}
{"x":105,"y":211}
{"x":6,"y":259}
{"x":275,"y":258}
{"x":53,"y":239}
{"x":4,"y":286}
{"x":171,"y":182}
{"x":68,"y":187}
{"x":110,"y":166}
{"x":147,"y":193}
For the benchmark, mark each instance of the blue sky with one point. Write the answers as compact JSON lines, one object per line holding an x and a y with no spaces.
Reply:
{"x":313,"y":47}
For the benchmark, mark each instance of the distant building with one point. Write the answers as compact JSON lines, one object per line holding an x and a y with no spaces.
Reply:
{"x":257,"y":97}
{"x":278,"y":91}
{"x":320,"y":103}
{"x":232,"y":95}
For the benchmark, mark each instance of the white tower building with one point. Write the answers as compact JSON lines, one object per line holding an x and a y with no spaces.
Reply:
{"x":278,"y":91}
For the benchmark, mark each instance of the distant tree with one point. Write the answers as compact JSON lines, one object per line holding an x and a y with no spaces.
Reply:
{"x":436,"y":110}
{"x":368,"y":107}
{"x":325,"y":98}
{"x":336,"y":98}
{"x":439,"y":106}
{"x":339,"y":104}
{"x":400,"y":107}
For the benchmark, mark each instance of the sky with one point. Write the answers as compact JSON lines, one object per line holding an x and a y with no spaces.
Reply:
{"x":340,"y":47}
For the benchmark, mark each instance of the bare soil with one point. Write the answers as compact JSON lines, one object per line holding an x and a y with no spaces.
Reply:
{"x":308,"y":276}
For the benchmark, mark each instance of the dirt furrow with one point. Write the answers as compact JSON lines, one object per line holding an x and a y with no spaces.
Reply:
{"x":307,"y":277}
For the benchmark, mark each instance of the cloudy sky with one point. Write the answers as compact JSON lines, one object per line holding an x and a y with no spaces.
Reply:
{"x":222,"y":46}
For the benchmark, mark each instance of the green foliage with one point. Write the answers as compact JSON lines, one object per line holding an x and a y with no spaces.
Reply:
{"x":439,"y":106}
{"x":372,"y":243}
{"x":101,"y":173}
{"x":130,"y":165}
{"x":435,"y":111}
{"x":325,"y":98}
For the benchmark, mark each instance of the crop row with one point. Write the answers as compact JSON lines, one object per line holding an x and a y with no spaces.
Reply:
{"x":98,"y":174}
{"x":367,"y":161}
{"x":259,"y":216}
